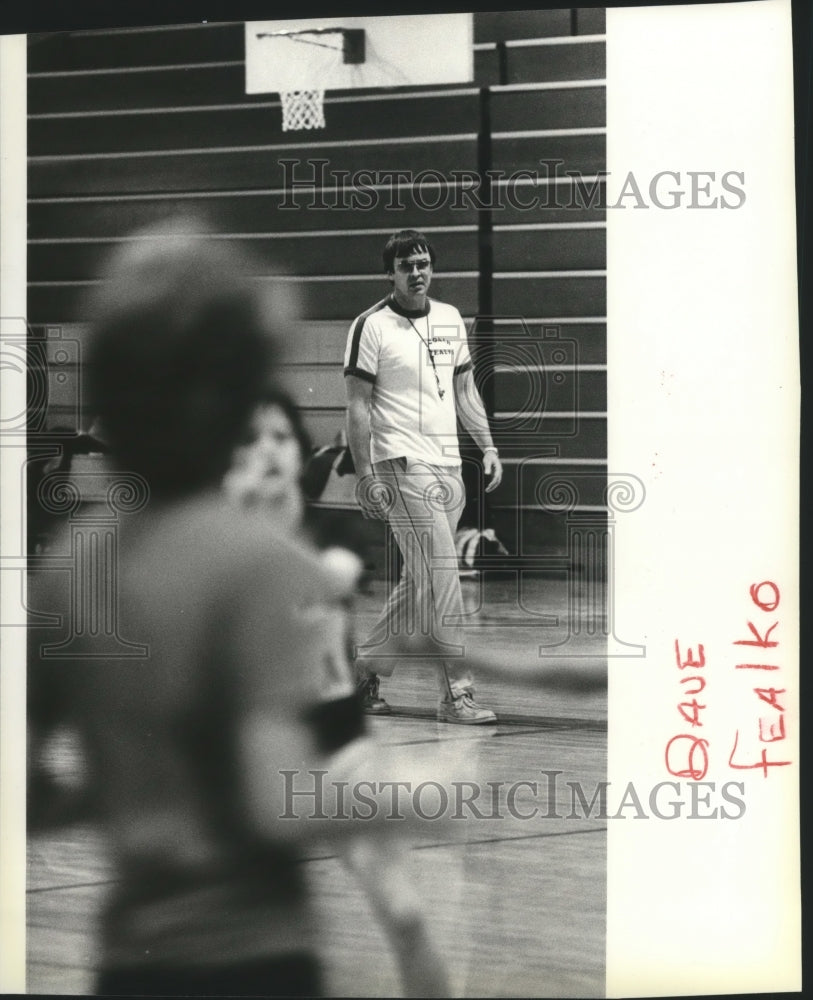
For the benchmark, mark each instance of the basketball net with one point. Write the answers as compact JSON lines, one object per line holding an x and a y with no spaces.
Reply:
{"x":302,"y":109}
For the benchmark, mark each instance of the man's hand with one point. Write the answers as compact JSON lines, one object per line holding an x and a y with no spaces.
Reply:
{"x":374,"y":496}
{"x":492,"y":466}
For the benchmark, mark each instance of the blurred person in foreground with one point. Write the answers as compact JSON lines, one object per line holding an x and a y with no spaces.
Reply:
{"x":266,"y":475}
{"x":184,"y":746}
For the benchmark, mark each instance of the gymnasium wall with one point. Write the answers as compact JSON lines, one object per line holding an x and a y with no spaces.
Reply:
{"x":127,"y":127}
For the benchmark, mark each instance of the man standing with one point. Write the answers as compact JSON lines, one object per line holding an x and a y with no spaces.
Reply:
{"x":409,"y":379}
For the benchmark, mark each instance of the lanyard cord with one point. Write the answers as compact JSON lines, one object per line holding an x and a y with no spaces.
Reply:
{"x":441,"y":390}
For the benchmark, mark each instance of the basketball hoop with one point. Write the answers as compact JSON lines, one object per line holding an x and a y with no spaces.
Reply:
{"x":308,"y":63}
{"x":305,"y":109}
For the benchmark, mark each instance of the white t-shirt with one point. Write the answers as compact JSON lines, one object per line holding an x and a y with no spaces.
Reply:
{"x":412,"y":414}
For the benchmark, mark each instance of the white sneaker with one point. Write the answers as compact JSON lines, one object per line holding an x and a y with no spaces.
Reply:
{"x":465,"y":711}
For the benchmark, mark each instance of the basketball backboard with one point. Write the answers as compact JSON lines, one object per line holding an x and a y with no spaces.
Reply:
{"x":283,"y":56}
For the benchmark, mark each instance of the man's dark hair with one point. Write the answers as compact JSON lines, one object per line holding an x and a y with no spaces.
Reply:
{"x":181,"y":350}
{"x":404,"y":243}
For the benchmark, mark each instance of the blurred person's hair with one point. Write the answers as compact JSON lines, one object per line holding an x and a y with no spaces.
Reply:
{"x":182,"y":347}
{"x":274,"y":395}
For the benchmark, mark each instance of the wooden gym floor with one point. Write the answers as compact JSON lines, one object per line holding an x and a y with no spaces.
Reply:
{"x":517,"y":905}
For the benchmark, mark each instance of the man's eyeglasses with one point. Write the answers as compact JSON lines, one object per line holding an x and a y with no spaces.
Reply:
{"x":406,"y":266}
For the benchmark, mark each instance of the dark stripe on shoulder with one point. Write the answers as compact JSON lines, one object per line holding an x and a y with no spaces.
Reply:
{"x":360,"y":373}
{"x":352,"y":361}
{"x":459,"y":369}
